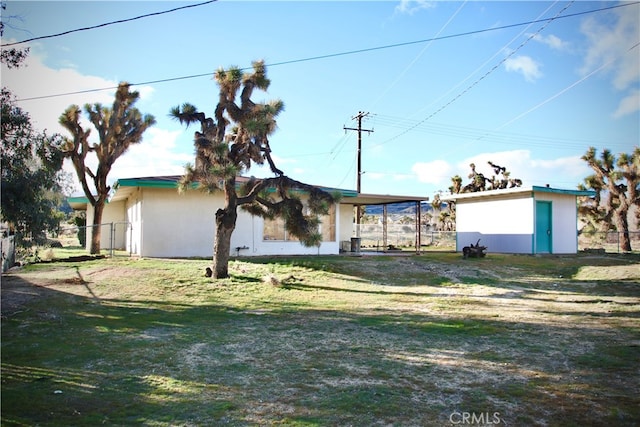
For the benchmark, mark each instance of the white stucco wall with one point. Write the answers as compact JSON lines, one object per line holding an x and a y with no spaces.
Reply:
{"x":176,"y":225}
{"x":134,"y":218}
{"x":345,"y":222}
{"x":258,"y":246}
{"x":249,"y":236}
{"x":114,"y":213}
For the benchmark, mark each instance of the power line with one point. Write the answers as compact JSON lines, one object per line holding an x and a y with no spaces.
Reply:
{"x":108,"y":23}
{"x":551,"y":98}
{"x":485,"y":75}
{"x":468,"y":33}
{"x":351,"y":52}
{"x":498,"y":52}
{"x":458,"y":131}
{"x":491,"y":135}
{"x":424,"y":49}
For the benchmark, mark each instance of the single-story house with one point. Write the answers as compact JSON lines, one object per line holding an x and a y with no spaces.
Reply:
{"x":522,"y":220}
{"x":149,"y":218}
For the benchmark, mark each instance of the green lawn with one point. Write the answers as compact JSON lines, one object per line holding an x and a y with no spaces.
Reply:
{"x":313,"y":341}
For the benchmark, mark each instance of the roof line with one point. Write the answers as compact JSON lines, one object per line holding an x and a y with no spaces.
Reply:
{"x":516,"y":190}
{"x":172,"y":182}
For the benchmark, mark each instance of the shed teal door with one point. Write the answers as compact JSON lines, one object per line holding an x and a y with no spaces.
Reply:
{"x":543,"y":227}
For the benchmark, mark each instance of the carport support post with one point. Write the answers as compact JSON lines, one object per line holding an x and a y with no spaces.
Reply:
{"x":112,"y":239}
{"x":418,"y":226}
{"x":384,"y":227}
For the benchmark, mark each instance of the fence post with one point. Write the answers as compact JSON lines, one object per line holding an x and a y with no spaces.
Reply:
{"x":111,"y":239}
{"x":8,"y":249}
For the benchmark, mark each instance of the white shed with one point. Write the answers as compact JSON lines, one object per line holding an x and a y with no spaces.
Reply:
{"x":148,"y":217}
{"x":532,"y":220}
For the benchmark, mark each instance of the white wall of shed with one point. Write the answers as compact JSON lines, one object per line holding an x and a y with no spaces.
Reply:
{"x":507,"y":224}
{"x":503,"y":224}
{"x":503,"y":216}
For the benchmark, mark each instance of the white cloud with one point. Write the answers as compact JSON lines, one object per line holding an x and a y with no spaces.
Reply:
{"x":437,"y":172}
{"x":36,"y":80}
{"x":564,"y":172}
{"x":609,"y":42}
{"x":154,"y":155}
{"x":554,"y":42}
{"x":157,"y":154}
{"x":525,"y":65}
{"x":628,"y":105}
{"x":412,"y":6}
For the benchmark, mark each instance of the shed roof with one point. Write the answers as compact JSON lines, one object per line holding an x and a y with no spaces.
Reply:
{"x":521,"y":191}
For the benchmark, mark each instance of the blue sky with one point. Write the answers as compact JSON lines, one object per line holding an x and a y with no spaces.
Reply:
{"x":532,"y":97}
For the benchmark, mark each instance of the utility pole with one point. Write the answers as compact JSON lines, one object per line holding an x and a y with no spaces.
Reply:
{"x":359,"y":118}
{"x":359,"y":129}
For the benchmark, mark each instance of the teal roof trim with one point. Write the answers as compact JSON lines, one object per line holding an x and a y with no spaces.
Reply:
{"x":589,"y":193}
{"x":154,"y":183}
{"x":172,"y":182}
{"x":78,"y":199}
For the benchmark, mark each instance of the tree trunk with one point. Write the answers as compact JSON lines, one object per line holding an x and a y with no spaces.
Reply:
{"x":96,"y":230}
{"x":225,"y":224}
{"x":622,"y":225}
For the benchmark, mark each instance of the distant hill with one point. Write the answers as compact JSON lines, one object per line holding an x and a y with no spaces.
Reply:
{"x":408,"y":208}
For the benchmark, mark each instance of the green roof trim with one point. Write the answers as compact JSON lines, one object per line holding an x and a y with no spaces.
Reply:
{"x":154,"y":183}
{"x":589,"y":193}
{"x":78,"y":199}
{"x":172,"y":182}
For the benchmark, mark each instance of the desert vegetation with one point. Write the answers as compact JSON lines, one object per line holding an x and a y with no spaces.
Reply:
{"x":328,"y":340}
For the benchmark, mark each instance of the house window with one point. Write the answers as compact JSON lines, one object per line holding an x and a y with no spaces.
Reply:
{"x":328,"y":225}
{"x":274,"y":228}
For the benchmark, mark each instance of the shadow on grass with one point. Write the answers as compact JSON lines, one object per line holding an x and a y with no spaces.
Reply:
{"x":73,"y":360}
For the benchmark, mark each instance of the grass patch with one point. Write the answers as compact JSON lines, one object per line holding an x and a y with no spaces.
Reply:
{"x":378,"y":340}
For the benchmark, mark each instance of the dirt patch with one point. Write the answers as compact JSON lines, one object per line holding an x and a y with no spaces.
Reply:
{"x":16,"y":294}
{"x":392,"y":342}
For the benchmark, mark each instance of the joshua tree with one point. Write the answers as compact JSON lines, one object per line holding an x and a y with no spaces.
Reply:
{"x":481,"y":183}
{"x":118,"y":127}
{"x":222,"y":156}
{"x":619,"y":183}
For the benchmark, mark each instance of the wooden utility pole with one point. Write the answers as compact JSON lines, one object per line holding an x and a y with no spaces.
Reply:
{"x":359,"y":129}
{"x":359,"y":118}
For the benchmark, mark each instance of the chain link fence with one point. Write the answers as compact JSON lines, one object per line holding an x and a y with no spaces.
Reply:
{"x":114,"y":237}
{"x":377,"y":237}
{"x":609,"y":242}
{"x":403,"y":236}
{"x":8,"y":248}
